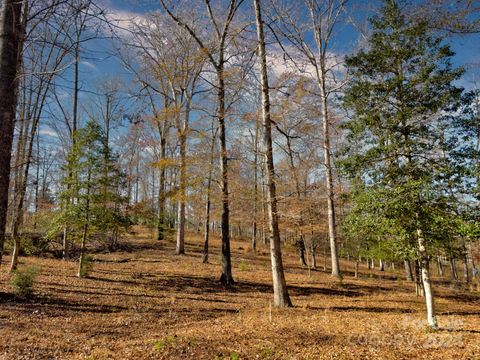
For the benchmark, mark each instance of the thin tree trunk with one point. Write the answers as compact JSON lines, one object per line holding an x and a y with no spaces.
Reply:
{"x":37,"y":181}
{"x":255,"y":188}
{"x":439,"y":266}
{"x":85,"y":227}
{"x":453,"y":268}
{"x":82,"y":251}
{"x":207,"y":203}
{"x":466,"y":271}
{"x":161,"y":191}
{"x":427,"y":289}
{"x":324,"y":257}
{"x":301,"y":252}
{"x":180,"y":249}
{"x":264,"y":205}
{"x":280,"y":293}
{"x":314,"y":258}
{"x":408,"y":270}
{"x":321,"y":78}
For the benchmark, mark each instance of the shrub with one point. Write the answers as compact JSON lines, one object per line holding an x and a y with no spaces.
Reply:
{"x":23,"y":281}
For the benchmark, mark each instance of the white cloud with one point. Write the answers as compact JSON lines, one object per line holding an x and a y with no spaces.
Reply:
{"x":89,"y":65}
{"x":123,"y":22}
{"x":297,"y":63}
{"x":48,"y":132}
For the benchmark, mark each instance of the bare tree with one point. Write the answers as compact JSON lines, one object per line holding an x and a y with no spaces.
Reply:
{"x":12,"y":29}
{"x":216,"y":53}
{"x":42,"y":62}
{"x":323,"y":18}
{"x":280,"y":293}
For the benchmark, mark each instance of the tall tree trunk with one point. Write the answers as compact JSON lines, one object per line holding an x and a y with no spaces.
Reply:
{"x":439,"y":266}
{"x":313,"y":250}
{"x":301,"y":251}
{"x":226,"y":277}
{"x":466,"y":271}
{"x":85,"y":227}
{"x":408,"y":270}
{"x":207,"y":203}
{"x":280,"y":292}
{"x":11,"y":43}
{"x":453,"y":268}
{"x":161,"y":191}
{"x":37,"y":185}
{"x":65,"y":241}
{"x":424,"y":268}
{"x":180,"y":249}
{"x":255,"y":188}
{"x":264,"y":204}
{"x":321,"y":79}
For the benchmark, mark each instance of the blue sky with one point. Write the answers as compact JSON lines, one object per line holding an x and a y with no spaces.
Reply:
{"x":98,"y":62}
{"x":465,"y":46}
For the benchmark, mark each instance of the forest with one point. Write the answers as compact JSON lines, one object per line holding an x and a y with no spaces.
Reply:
{"x":239,"y":179}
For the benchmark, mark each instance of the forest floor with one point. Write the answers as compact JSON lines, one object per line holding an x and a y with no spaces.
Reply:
{"x":147,"y":303}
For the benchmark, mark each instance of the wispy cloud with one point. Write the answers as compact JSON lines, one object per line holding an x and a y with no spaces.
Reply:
{"x":123,"y":21}
{"x":48,"y":132}
{"x":89,"y":65}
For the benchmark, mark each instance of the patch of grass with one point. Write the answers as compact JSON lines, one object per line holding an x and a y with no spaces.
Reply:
{"x":267,"y":353}
{"x":164,"y":343}
{"x":23,"y":281}
{"x":242,"y":266}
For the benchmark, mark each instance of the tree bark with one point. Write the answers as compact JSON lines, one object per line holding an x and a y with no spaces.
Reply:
{"x":321,"y":79}
{"x":180,"y":249}
{"x":255,"y":188}
{"x":226,"y":277}
{"x":453,"y":268}
{"x":427,"y":289}
{"x":439,"y":266}
{"x":466,"y":271}
{"x":11,"y":43}
{"x":208,"y":202}
{"x":161,"y":190}
{"x":408,"y":270}
{"x":280,"y":292}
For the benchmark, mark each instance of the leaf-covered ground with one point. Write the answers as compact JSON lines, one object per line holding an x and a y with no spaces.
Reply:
{"x":147,"y":303}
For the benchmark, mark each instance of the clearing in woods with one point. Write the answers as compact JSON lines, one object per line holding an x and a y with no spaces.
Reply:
{"x":147,"y":303}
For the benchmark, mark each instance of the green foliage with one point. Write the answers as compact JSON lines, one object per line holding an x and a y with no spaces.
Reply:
{"x":92,"y":189}
{"x":33,"y":245}
{"x":23,"y":281}
{"x":402,"y":85}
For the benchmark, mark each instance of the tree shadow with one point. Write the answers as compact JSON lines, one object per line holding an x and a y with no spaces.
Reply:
{"x":201,"y":285}
{"x":54,"y":306}
{"x":372,"y":309}
{"x":466,"y":298}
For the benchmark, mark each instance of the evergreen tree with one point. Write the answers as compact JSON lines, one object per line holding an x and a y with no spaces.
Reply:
{"x":400,"y":85}
{"x":92,"y":200}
